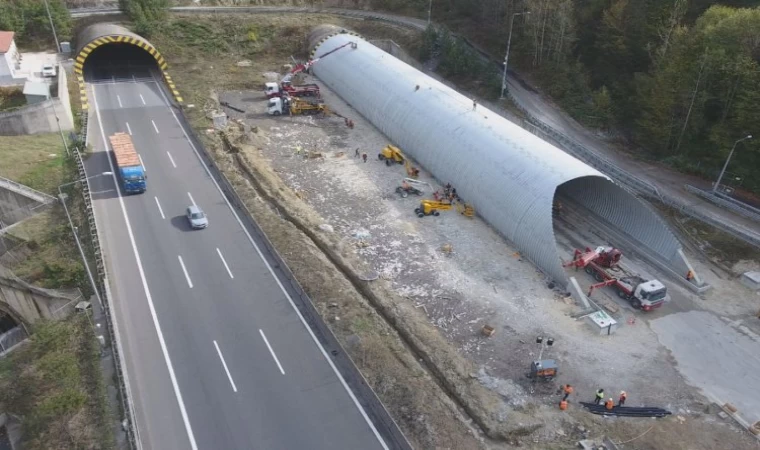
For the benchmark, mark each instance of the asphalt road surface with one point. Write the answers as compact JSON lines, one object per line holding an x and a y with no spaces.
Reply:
{"x":217,"y":355}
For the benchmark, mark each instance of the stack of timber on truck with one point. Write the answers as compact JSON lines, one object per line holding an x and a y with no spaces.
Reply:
{"x":603,"y":263}
{"x":131,"y":170}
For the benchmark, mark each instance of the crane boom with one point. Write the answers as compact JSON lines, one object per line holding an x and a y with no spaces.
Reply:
{"x":307,"y":65}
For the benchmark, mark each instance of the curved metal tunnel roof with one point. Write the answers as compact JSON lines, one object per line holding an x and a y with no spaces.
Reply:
{"x":99,"y":34}
{"x":510,"y":175}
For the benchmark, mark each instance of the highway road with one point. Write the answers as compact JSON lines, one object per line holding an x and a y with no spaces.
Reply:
{"x":217,"y":355}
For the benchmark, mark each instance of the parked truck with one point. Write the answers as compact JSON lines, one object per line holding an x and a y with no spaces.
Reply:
{"x":294,"y":106}
{"x":131,"y":169}
{"x":603,"y":263}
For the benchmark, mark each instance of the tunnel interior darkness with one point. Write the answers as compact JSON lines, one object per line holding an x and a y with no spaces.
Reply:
{"x":119,"y":62}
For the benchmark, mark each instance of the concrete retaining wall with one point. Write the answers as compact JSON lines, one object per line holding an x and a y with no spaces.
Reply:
{"x":41,"y":117}
{"x":28,"y":304}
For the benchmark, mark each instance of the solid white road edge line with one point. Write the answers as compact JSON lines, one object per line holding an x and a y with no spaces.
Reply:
{"x":224,"y":364}
{"x":191,"y":199}
{"x":161,"y":341}
{"x":184,"y":270}
{"x":271,"y":271}
{"x":159,"y":208}
{"x":225,"y":263}
{"x":129,"y":129}
{"x":154,"y":126}
{"x":171,"y":159}
{"x":119,"y":99}
{"x":279,"y":366}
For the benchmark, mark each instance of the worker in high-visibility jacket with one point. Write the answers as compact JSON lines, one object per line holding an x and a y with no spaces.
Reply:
{"x":567,"y":390}
{"x":599,"y":396}
{"x":609,"y":404}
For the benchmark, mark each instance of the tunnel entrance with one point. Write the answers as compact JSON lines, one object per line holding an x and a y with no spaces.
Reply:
{"x":119,"y":62}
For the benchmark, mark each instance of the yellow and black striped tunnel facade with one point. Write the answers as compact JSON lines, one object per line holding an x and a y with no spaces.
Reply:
{"x":117,"y":39}
{"x":99,"y":34}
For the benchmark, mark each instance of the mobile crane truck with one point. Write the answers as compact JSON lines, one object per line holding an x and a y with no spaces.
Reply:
{"x":603,"y":263}
{"x":131,"y":169}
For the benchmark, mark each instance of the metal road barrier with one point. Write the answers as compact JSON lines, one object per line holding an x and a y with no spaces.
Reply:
{"x":726,"y":202}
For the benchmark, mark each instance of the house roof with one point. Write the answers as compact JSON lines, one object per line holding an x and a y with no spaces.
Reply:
{"x":36,"y":88}
{"x":6,"y":38}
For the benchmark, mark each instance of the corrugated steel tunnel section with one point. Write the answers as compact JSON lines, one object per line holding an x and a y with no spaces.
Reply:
{"x":100,"y":34}
{"x":510,"y":175}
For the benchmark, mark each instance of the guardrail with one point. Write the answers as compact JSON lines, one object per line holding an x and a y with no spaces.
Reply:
{"x":105,"y":294}
{"x":726,"y":202}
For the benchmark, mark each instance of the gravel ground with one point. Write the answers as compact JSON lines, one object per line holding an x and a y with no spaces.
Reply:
{"x":484,"y":280}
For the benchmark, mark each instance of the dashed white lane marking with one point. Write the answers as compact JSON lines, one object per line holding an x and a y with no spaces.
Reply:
{"x":184,"y":270}
{"x":263,"y":336}
{"x":119,"y":99}
{"x":171,"y":159}
{"x":141,"y":162}
{"x":191,"y":199}
{"x":224,"y":364}
{"x":154,"y":126}
{"x":143,"y":99}
{"x":225,"y":263}
{"x":159,"y":208}
{"x":129,"y":129}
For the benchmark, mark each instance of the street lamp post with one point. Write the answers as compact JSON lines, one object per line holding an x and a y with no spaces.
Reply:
{"x":506,"y":57}
{"x":430,"y":11}
{"x":62,"y":197}
{"x":52,"y":27}
{"x":725,"y":166}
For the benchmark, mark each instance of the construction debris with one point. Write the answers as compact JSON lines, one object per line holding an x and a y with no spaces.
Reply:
{"x":488,"y":330}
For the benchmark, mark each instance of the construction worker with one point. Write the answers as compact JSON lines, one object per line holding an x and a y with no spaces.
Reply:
{"x":474,"y":105}
{"x":356,"y":153}
{"x":623,"y":397}
{"x":364,"y":157}
{"x":567,"y":390}
{"x":599,"y":396}
{"x":609,"y":404}
{"x":563,"y":404}
{"x":689,"y":275}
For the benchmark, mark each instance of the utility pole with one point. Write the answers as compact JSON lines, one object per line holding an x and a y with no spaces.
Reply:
{"x":725,"y":166}
{"x":52,"y":27}
{"x":430,"y":11}
{"x":506,"y":57}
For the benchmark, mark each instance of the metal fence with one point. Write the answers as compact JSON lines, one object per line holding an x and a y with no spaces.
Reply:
{"x":11,"y":338}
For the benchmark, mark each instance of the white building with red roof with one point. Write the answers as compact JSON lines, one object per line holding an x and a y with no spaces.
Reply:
{"x":10,"y":59}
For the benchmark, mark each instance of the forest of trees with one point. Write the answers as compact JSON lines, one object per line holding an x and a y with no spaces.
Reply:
{"x":680,"y":79}
{"x":29,"y":19}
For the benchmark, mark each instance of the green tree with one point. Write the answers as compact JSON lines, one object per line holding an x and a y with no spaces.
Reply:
{"x":29,"y":20}
{"x":147,"y":15}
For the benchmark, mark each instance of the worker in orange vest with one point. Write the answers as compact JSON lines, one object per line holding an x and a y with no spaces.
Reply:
{"x":609,"y":404}
{"x":567,"y":390}
{"x":563,"y":404}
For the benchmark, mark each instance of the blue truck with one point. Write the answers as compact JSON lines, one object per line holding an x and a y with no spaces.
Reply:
{"x":131,"y":170}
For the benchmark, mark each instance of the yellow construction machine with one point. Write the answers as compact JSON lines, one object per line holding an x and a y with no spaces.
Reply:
{"x":391,"y":154}
{"x":432,"y":208}
{"x":465,"y":209}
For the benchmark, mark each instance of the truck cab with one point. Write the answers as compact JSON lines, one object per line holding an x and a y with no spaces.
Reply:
{"x":651,"y":294}
{"x":272,"y":90}
{"x":133,"y":179}
{"x":276,"y":106}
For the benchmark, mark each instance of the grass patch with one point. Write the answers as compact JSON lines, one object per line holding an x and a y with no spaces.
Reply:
{"x":11,"y":98}
{"x":34,"y":160}
{"x":55,"y":384}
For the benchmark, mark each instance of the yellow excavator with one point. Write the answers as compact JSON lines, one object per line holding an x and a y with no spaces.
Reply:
{"x":391,"y":154}
{"x":432,"y":208}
